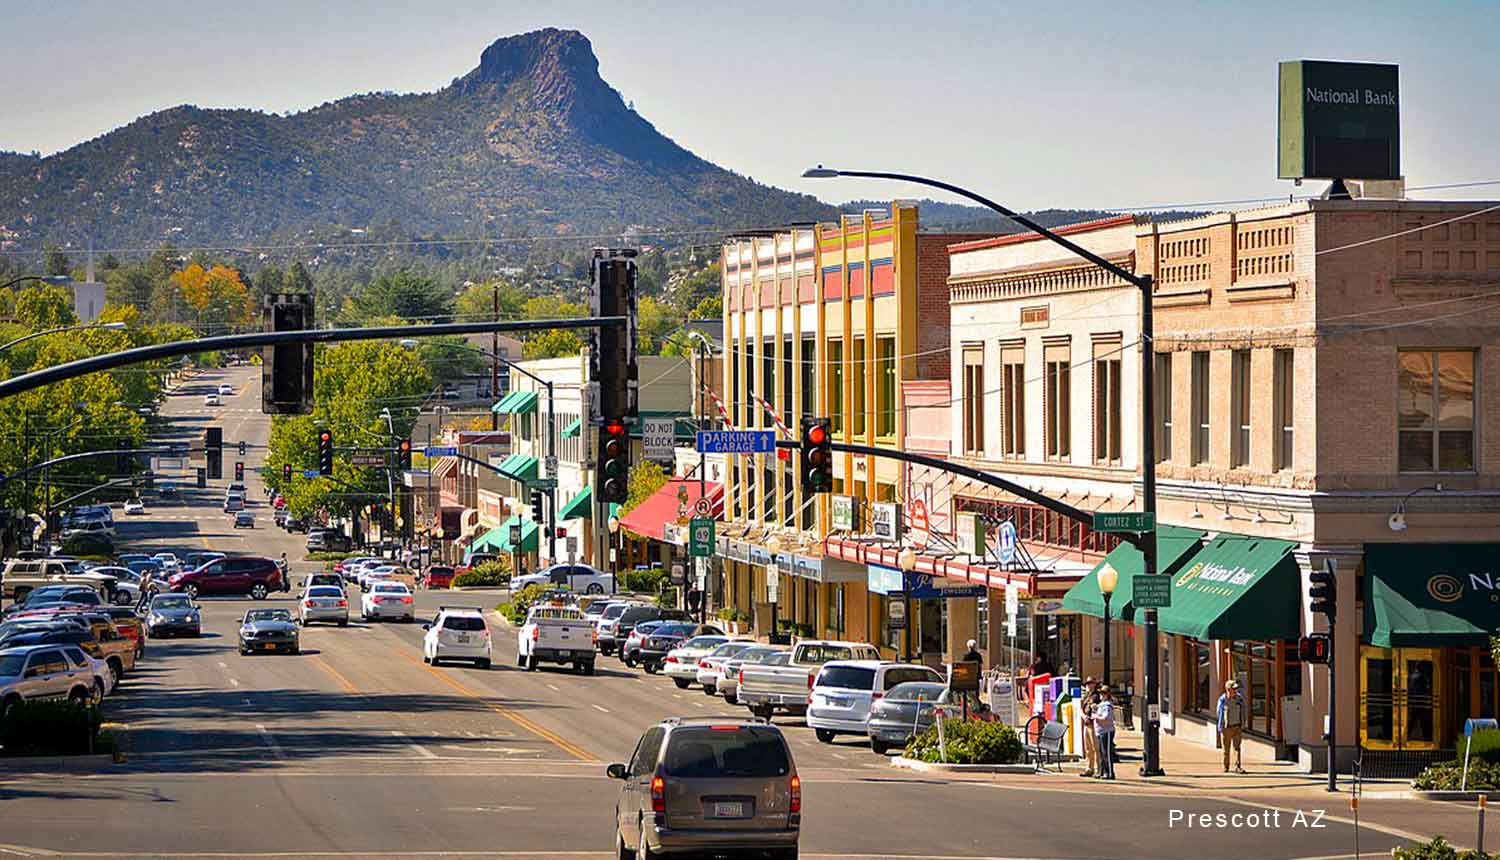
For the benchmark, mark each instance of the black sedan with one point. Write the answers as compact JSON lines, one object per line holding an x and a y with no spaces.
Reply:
{"x":173,"y":615}
{"x":905,"y":710}
{"x":268,"y":630}
{"x":654,"y":647}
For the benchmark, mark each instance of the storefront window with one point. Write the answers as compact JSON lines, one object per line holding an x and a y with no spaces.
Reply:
{"x":1257,"y":666}
{"x":1198,"y":685}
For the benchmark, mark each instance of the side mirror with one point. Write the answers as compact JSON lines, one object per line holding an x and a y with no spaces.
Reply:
{"x":426,"y":626}
{"x":616,"y":771}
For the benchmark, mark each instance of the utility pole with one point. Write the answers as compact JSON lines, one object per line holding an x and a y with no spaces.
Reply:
{"x":495,"y":359}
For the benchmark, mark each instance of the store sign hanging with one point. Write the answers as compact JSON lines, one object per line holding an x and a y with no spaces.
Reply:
{"x":885,"y":521}
{"x":845,"y":513}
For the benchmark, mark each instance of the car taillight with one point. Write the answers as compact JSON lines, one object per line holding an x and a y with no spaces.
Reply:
{"x":811,"y":676}
{"x":742,"y":676}
{"x":596,"y":636}
{"x":659,"y":794}
{"x":406,"y":600}
{"x":536,"y":633}
{"x":308,"y":603}
{"x":796,"y":789}
{"x":702,"y":664}
{"x":671,"y":659}
{"x":877,"y":696}
{"x":344,"y":603}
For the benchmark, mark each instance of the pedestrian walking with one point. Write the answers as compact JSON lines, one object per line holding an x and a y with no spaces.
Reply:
{"x":1104,"y":732}
{"x":1232,"y":715}
{"x":1087,"y":702}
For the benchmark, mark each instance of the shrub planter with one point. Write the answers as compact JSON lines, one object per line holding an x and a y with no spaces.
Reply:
{"x":938,"y":767}
{"x":1455,"y":795}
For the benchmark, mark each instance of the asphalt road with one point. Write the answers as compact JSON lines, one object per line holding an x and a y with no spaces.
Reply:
{"x":355,"y":748}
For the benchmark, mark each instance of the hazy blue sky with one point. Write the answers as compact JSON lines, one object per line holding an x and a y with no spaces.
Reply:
{"x":1074,"y":104}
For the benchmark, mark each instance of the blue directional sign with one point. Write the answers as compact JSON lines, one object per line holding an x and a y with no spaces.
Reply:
{"x":1007,"y":546}
{"x":440,"y":451}
{"x":737,"y":441}
{"x":311,"y":473}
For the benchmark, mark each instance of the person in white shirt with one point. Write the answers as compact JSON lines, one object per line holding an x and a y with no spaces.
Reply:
{"x":1104,"y":732}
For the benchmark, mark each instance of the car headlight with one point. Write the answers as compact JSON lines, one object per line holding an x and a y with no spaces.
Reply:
{"x":156,"y":619}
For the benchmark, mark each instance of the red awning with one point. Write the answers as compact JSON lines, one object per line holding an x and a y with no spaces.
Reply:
{"x":1034,"y":583}
{"x":649,"y":516}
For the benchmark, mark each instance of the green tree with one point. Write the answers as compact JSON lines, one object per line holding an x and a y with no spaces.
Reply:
{"x":269,"y":280}
{"x":656,"y":321}
{"x":45,"y":307}
{"x":710,"y":308}
{"x":129,"y":285}
{"x":477,"y":301}
{"x":552,"y":344}
{"x":55,"y":262}
{"x":646,"y":478}
{"x":405,"y":294}
{"x":296,"y":279}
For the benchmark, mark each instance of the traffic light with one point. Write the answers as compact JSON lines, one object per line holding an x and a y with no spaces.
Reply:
{"x":1324,"y":592}
{"x":325,"y":452}
{"x":242,"y":447}
{"x":817,"y":455}
{"x":286,"y":471}
{"x":239,"y":471}
{"x":1314,"y":648}
{"x":287,"y":369}
{"x":536,"y":504}
{"x":613,"y":477}
{"x":403,"y":453}
{"x":613,"y":370}
{"x":213,"y":452}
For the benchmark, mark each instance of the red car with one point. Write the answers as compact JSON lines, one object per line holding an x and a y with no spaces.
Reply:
{"x":279,"y":503}
{"x":440,"y":577}
{"x":253,"y":575}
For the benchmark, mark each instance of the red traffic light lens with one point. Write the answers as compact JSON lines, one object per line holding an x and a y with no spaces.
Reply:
{"x":325,"y":436}
{"x":817,"y":434}
{"x":614,"y":428}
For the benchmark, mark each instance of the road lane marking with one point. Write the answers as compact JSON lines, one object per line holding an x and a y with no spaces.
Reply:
{"x":234,"y":682}
{"x":557,"y":740}
{"x":601,"y":709}
{"x":270,"y":741}
{"x":553,"y":689}
{"x":421,"y":750}
{"x":223,"y":665}
{"x":343,"y":682}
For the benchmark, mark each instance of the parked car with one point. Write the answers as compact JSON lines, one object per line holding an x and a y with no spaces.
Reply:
{"x":458,"y":633}
{"x":579,"y":577}
{"x":22,"y":576}
{"x":324,"y":578}
{"x":388,"y":600}
{"x":41,"y":672}
{"x":609,"y":623}
{"x":729,"y":679}
{"x":256,"y":576}
{"x":134,"y":507}
{"x":655,"y":647}
{"x":904,"y":711}
{"x":173,"y":614}
{"x":630,"y":649}
{"x":439,"y":576}
{"x":767,"y":689}
{"x":324,"y":603}
{"x":167,"y":561}
{"x":681,"y":663}
{"x":556,"y":634}
{"x":707,"y":786}
{"x":710,"y":670}
{"x":126,"y":589}
{"x":98,"y":529}
{"x":167,"y":489}
{"x":194,"y":560}
{"x":325,"y":540}
{"x":844,"y":691}
{"x":268,"y":630}
{"x":82,"y":595}
{"x":294,"y":525}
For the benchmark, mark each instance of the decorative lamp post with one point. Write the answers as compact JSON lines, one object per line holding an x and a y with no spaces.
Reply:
{"x":1108,"y":579}
{"x":614,"y":529}
{"x":907,"y":561}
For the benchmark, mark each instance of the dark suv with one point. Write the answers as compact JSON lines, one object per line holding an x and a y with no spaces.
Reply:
{"x":654,"y":647}
{"x":706,"y":785}
{"x":253,"y":575}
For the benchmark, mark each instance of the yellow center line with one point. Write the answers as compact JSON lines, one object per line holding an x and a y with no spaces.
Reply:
{"x":344,"y":682}
{"x":546,"y":734}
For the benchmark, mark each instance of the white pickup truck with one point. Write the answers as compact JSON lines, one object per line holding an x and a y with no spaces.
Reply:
{"x":556,"y":634}
{"x":766,"y":689}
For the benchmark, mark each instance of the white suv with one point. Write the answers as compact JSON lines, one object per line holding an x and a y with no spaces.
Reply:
{"x":458,"y":633}
{"x":844,"y":690}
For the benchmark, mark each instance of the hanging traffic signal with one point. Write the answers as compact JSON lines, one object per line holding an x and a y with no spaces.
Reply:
{"x":1314,"y":648}
{"x":286,"y":471}
{"x":613,"y":477}
{"x":1324,"y":592}
{"x":213,"y":452}
{"x":239,"y":471}
{"x":817,"y":455}
{"x":403,"y":453}
{"x":536,"y":504}
{"x":325,"y":452}
{"x":613,"y":372}
{"x":242,"y":447}
{"x":287,"y":368}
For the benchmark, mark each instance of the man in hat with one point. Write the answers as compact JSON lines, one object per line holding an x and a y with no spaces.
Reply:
{"x":1086,"y":704}
{"x":1232,"y":717}
{"x":1104,"y":732}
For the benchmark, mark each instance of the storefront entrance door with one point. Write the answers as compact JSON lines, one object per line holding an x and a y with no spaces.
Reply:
{"x":1399,"y":696}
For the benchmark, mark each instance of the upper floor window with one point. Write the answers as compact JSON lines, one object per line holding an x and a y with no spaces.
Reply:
{"x":1058,"y":401}
{"x":1283,"y":385}
{"x":1201,"y":424}
{"x":1107,"y":405}
{"x":1239,"y":383}
{"x":1435,"y":410}
{"x":836,"y":384}
{"x":1013,"y":401}
{"x":973,"y":400}
{"x":885,"y":386}
{"x":1162,"y":392}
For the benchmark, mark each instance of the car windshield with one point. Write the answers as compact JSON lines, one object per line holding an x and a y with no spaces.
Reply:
{"x":393,"y":588}
{"x":268,"y":615}
{"x":324,"y":591}
{"x":674,"y":630}
{"x":720,"y":751}
{"x":172,"y":601}
{"x":824,"y":653}
{"x":463,"y":622}
{"x":730,"y":649}
{"x":911,"y":691}
{"x":615,"y":610}
{"x":703,"y":642}
{"x":11,"y":665}
{"x":846,"y":678}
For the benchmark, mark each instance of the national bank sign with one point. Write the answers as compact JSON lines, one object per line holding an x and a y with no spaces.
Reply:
{"x":1339,"y":121}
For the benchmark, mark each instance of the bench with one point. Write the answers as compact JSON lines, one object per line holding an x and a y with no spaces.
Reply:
{"x":1044,"y":742}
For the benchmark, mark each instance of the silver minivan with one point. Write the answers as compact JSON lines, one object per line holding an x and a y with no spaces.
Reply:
{"x":708,"y":784}
{"x":844,"y":690}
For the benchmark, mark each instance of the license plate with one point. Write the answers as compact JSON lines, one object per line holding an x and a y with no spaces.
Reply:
{"x":564,"y":653}
{"x":837,"y":703}
{"x":269,"y":646}
{"x":729,"y":809}
{"x":463,"y":640}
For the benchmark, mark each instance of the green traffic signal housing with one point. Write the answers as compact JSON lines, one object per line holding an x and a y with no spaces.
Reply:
{"x":325,"y":452}
{"x":817,"y":455}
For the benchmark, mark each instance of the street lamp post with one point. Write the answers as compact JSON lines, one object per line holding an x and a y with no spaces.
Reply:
{"x":614,"y":563}
{"x":112,"y":326}
{"x":907,"y":561}
{"x":1145,"y":541}
{"x":551,"y":451}
{"x":1108,"y":579}
{"x":773,"y":546}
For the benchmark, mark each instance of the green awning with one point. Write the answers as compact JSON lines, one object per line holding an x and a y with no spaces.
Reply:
{"x":1173,"y":545}
{"x":521,"y":467}
{"x":573,"y":429}
{"x":581,"y":506}
{"x":529,"y":533}
{"x":1237,"y":587}
{"x":1431,"y":595}
{"x":516,"y":403}
{"x":488,"y":542}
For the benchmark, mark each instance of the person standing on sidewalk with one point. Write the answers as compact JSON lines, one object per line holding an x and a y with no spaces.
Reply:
{"x":1088,"y":700}
{"x":1104,"y":732}
{"x":1232,"y":714}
